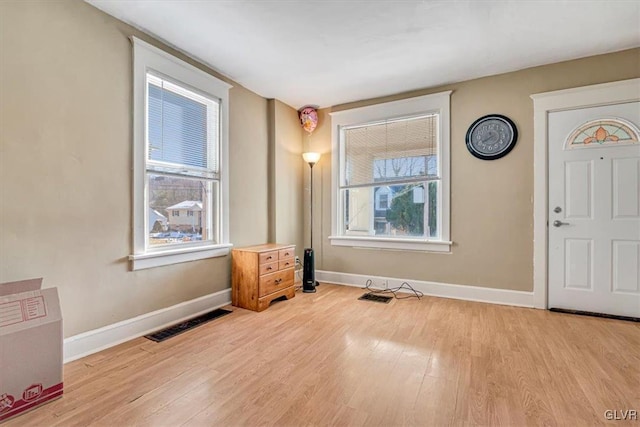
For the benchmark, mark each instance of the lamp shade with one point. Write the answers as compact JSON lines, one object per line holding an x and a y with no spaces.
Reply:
{"x":311,"y":158}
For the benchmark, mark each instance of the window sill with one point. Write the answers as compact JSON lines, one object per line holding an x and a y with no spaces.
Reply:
{"x":175,"y":256}
{"x":392,"y":243}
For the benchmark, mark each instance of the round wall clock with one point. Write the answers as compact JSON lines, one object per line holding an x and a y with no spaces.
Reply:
{"x":491,"y":137}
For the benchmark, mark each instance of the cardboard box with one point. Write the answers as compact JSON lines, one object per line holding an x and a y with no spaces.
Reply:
{"x":30,"y":347}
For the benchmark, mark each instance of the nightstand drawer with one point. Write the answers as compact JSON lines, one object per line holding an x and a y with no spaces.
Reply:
{"x":286,"y":263}
{"x":267,"y":257}
{"x":271,"y":267}
{"x":286,"y":253}
{"x":273,"y":282}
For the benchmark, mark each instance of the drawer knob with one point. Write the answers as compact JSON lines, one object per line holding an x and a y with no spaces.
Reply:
{"x":286,"y":254}
{"x":286,"y":263}
{"x":269,"y":268}
{"x":278,"y":281}
{"x":269,"y":257}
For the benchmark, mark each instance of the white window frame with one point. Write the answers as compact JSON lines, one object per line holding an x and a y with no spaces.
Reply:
{"x":145,"y":58}
{"x":438,"y":103}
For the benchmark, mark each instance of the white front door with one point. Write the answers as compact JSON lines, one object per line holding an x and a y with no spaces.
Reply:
{"x":594,"y":209}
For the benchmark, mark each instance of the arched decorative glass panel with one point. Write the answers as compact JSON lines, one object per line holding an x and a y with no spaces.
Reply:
{"x":601,"y":132}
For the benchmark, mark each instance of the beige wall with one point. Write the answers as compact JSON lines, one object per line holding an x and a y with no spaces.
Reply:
{"x":491,"y":201}
{"x":285,"y":169}
{"x":65,"y":167}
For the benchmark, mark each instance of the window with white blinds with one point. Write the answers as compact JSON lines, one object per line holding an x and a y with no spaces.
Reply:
{"x":180,"y":178}
{"x":391,"y":151}
{"x":392,"y":175}
{"x":182,"y":164}
{"x":182,"y":129}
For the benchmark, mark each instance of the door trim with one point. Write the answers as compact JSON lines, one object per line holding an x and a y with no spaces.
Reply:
{"x":543,"y":104}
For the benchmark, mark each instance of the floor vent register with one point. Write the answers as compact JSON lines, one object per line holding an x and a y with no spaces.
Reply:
{"x":375,"y":298}
{"x":174,"y":330}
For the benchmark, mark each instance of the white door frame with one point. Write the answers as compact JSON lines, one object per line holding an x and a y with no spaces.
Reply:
{"x":543,"y":104}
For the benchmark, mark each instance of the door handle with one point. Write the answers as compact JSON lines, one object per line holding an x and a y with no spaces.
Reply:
{"x":558,"y":223}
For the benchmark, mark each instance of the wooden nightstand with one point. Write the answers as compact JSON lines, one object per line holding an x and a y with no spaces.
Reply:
{"x":260,"y":274}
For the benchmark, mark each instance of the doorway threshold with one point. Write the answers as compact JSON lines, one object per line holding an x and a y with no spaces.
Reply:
{"x":592,"y":314}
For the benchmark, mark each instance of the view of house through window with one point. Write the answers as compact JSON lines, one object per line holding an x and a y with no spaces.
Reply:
{"x":182,"y":175}
{"x":178,"y":209}
{"x":391,"y":178}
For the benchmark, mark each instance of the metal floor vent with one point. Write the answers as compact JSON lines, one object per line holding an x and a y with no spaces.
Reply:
{"x":375,"y":298}
{"x":174,"y":330}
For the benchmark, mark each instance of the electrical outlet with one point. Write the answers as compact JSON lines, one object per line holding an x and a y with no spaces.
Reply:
{"x":378,"y":284}
{"x":297,"y":260}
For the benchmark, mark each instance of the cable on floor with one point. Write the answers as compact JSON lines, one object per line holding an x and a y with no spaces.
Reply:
{"x":394,"y":291}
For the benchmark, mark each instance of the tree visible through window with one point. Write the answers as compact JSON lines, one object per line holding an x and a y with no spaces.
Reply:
{"x":405,"y":214}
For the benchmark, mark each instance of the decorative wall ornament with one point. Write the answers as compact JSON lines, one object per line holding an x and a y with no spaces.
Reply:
{"x":603,"y":132}
{"x":308,"y":118}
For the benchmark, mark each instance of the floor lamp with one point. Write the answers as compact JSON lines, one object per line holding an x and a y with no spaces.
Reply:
{"x":309,"y":271}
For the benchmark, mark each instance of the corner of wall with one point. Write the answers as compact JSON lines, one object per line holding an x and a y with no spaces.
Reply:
{"x":271,"y":161}
{"x":285,"y":175}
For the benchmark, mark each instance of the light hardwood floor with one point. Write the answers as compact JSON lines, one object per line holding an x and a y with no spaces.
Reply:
{"x":328,"y":359}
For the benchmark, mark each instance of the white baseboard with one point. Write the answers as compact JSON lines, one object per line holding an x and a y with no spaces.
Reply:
{"x":90,"y":342}
{"x":445,"y":290}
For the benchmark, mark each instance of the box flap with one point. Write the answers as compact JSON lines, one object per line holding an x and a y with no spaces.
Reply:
{"x":9,"y":288}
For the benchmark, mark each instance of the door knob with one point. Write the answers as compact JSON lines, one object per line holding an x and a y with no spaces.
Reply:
{"x":558,"y":223}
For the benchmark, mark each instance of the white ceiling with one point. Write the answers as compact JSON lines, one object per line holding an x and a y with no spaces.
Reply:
{"x":331,"y":52}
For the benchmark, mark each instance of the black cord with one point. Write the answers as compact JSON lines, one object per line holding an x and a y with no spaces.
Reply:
{"x":394,"y":291}
{"x":297,"y":271}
